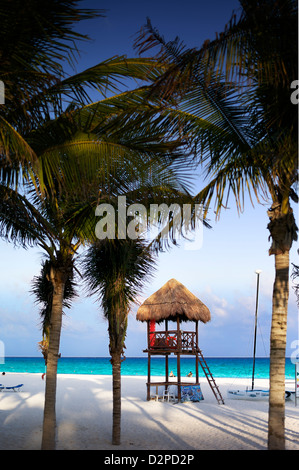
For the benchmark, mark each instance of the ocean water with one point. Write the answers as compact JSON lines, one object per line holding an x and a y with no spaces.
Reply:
{"x":220,"y":367}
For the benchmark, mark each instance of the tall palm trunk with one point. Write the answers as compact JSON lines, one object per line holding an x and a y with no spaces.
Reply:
{"x":276,"y":425}
{"x":117,"y":333}
{"x":58,"y":279}
{"x":116,"y":390}
{"x":283,"y":231}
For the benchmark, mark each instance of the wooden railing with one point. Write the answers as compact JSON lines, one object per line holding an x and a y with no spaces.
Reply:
{"x":173,"y":340}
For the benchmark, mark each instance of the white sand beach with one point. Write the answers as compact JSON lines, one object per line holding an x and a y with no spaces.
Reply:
{"x":84,"y":416}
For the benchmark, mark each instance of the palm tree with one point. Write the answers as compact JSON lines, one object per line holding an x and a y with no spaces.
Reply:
{"x":240,"y":83}
{"x":115,"y":270}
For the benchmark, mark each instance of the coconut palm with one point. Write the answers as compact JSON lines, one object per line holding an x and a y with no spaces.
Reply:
{"x":240,"y":82}
{"x":115,"y":271}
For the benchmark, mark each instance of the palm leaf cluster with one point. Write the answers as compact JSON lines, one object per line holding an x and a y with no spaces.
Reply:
{"x":238,"y":88}
{"x":115,"y":271}
{"x":38,"y":91}
{"x":42,"y":289}
{"x":36,"y":39}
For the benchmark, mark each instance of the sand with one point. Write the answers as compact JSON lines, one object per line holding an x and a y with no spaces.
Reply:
{"x":84,"y":417}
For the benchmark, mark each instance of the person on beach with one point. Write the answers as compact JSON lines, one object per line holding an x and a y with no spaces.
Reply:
{"x":190,"y":374}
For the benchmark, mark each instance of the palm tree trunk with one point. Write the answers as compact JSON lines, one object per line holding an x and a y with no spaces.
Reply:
{"x":116,"y":387}
{"x":283,"y":231}
{"x":276,"y":426}
{"x":49,"y":423}
{"x":117,"y":333}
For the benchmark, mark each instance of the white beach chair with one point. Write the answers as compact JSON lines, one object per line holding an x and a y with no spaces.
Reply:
{"x":167,"y":396}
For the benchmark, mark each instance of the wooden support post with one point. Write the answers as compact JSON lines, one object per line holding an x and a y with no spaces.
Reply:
{"x":148,"y":377}
{"x":166,"y":370}
{"x":166,"y":357}
{"x":148,"y":363}
{"x":196,"y":353}
{"x":179,"y":340}
{"x":179,"y":375}
{"x":148,"y":334}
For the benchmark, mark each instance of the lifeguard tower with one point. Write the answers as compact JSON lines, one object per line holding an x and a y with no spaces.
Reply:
{"x":174,"y":302}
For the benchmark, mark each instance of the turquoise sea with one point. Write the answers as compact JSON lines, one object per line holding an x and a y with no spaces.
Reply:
{"x":220,"y":367}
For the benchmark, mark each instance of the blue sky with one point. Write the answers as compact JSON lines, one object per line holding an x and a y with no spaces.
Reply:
{"x":221,"y":272}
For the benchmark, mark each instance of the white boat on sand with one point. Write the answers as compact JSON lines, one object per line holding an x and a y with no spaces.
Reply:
{"x":252,"y":394}
{"x":248,"y":394}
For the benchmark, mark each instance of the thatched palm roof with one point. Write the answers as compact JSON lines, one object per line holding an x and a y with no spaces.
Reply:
{"x":171,"y":301}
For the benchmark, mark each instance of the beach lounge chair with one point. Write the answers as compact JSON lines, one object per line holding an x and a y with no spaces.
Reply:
{"x":15,"y":388}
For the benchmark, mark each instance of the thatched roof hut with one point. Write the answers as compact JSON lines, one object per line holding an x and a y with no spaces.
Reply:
{"x":171,"y":302}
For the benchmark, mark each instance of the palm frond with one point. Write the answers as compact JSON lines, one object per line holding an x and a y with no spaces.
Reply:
{"x":257,"y":42}
{"x":233,"y":96}
{"x":16,"y":155}
{"x":185,"y":80}
{"x":37,"y":36}
{"x":115,"y":271}
{"x":20,"y":221}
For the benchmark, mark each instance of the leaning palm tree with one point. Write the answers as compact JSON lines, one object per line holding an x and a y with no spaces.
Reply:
{"x":115,"y":271}
{"x":240,"y":83}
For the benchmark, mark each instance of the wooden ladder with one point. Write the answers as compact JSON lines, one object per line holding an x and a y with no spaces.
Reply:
{"x":209,"y":377}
